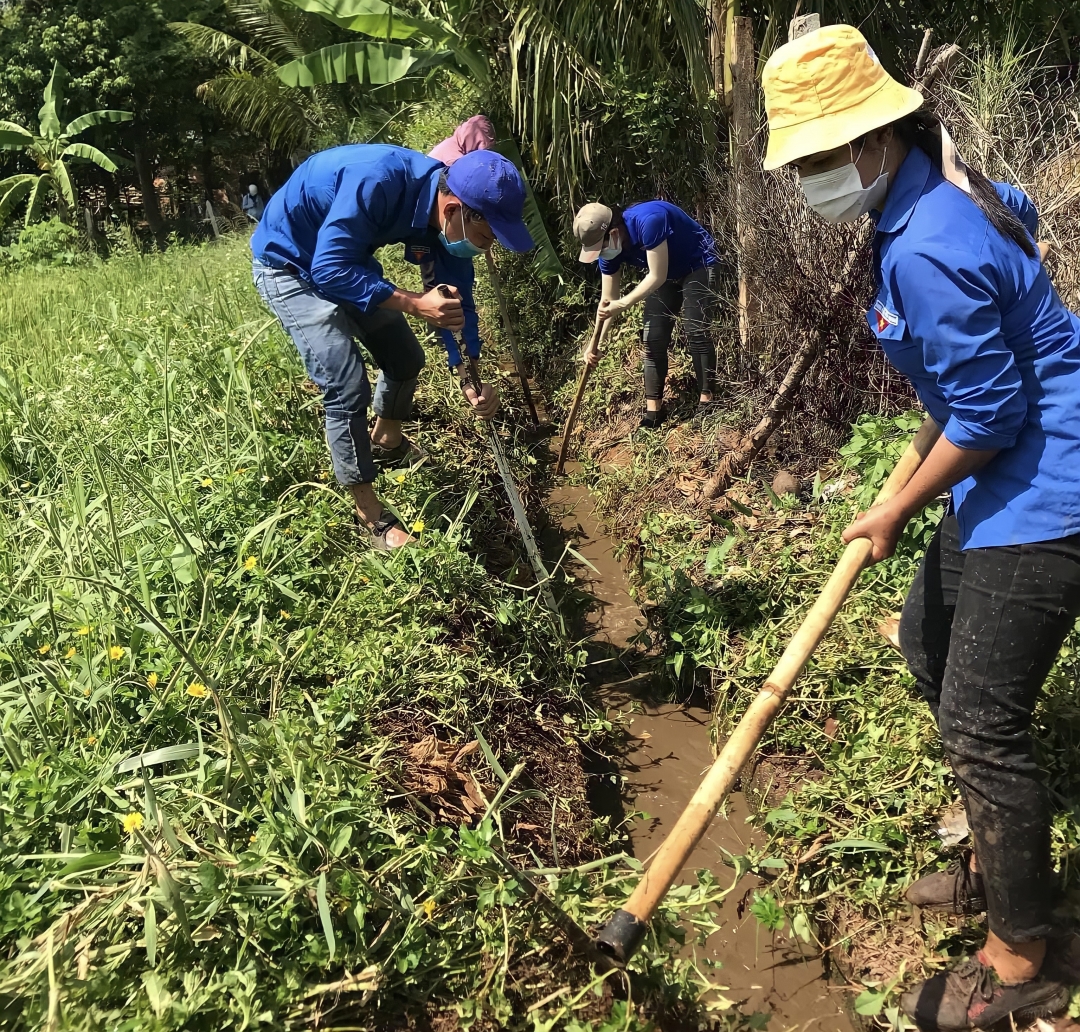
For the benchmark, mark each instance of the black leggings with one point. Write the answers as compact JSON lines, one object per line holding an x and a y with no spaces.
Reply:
{"x":691,"y":294}
{"x":980,"y":632}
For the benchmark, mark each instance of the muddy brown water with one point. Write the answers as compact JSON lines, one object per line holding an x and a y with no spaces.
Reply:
{"x":668,"y":754}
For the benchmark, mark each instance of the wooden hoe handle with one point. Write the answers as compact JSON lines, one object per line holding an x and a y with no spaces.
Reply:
{"x":571,"y":419}
{"x":623,"y":933}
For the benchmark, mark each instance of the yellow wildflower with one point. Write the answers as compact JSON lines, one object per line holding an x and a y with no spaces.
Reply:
{"x":116,"y":652}
{"x":400,"y":478}
{"x":429,"y":906}
{"x":286,"y":615}
{"x":253,"y":838}
{"x":44,"y":649}
{"x":92,"y":740}
{"x":84,"y":630}
{"x":240,"y":472}
{"x":197,"y":690}
{"x":70,"y":652}
{"x":418,"y":526}
{"x":86,"y":691}
{"x":207,"y":481}
{"x":250,"y":563}
{"x":151,"y":679}
{"x":132,"y":822}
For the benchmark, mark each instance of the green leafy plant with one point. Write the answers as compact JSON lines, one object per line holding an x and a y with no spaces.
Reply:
{"x":50,"y":243}
{"x":53,"y":148}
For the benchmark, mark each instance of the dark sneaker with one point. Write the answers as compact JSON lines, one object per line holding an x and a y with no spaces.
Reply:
{"x":405,"y":454}
{"x":958,"y":890}
{"x":972,"y":996}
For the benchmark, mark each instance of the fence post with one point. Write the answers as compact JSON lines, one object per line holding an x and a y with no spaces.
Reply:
{"x":744,"y":167}
{"x":801,"y":24}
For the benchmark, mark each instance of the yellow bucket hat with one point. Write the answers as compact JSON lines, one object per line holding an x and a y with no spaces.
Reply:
{"x":826,"y":89}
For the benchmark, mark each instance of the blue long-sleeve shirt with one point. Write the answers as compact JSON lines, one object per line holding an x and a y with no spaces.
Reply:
{"x":342,"y":205}
{"x":992,"y":352}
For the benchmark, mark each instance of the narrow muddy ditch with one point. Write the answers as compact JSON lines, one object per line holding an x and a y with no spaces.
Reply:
{"x":667,"y":751}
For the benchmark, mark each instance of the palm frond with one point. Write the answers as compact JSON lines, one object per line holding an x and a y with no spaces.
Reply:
{"x":219,"y":45}
{"x":264,"y":106}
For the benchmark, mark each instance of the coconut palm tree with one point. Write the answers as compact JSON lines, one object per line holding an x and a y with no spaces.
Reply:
{"x":53,"y":148}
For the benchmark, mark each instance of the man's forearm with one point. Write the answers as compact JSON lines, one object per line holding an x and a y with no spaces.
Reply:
{"x":945,"y":467}
{"x":402,"y":301}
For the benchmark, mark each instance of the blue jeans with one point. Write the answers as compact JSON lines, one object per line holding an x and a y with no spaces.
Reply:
{"x":325,"y":333}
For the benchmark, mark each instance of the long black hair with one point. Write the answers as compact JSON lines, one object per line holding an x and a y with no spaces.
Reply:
{"x":922,"y":129}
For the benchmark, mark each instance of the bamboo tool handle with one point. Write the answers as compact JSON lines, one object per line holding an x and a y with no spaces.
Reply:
{"x":571,"y":419}
{"x":623,"y":933}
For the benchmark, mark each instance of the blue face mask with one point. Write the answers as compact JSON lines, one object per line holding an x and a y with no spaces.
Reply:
{"x":463,"y":248}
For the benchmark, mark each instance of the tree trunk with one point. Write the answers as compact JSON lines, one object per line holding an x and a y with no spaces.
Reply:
{"x":744,"y":164}
{"x":151,"y":207}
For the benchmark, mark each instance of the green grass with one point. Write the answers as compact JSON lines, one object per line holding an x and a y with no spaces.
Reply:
{"x":209,"y":817}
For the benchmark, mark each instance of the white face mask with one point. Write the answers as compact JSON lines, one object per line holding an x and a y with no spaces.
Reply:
{"x":613,"y":250}
{"x":839,"y":196}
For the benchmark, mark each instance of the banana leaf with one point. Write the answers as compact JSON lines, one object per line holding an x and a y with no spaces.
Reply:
{"x":366,"y":62}
{"x":545,"y":257}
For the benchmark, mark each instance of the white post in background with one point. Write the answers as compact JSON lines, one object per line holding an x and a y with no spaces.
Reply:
{"x":801,"y":24}
{"x":212,"y":219}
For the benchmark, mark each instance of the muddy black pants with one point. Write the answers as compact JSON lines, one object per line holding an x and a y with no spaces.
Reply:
{"x":980,"y":632}
{"x":691,"y":297}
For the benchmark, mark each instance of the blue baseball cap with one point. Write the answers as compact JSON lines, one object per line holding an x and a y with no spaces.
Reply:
{"x":490,"y":184}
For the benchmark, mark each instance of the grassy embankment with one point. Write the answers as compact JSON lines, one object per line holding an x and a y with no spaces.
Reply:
{"x":221,"y":804}
{"x":851,"y":779}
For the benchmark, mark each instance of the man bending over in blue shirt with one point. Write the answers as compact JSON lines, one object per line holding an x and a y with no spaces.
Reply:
{"x":314,"y":266}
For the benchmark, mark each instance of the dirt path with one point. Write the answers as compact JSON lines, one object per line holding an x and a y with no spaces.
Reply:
{"x":669,"y":754}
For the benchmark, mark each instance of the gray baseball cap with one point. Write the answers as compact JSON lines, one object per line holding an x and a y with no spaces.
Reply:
{"x":591,"y":224}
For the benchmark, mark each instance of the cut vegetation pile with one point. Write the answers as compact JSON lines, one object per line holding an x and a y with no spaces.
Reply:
{"x":254,"y":775}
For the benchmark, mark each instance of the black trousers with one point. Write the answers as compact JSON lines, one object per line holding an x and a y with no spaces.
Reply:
{"x":980,"y":631}
{"x":691,"y":297}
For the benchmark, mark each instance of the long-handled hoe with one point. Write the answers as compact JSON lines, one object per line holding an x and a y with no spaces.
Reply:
{"x":571,"y":419}
{"x":543,"y":580}
{"x":623,"y":933}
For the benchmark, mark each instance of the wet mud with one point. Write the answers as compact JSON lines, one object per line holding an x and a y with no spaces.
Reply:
{"x":668,"y":751}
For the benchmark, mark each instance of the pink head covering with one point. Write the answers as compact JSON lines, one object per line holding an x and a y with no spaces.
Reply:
{"x":476,"y":134}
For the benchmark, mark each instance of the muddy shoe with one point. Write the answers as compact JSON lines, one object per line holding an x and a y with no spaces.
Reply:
{"x":972,"y":996}
{"x":405,"y":454}
{"x":958,"y":890}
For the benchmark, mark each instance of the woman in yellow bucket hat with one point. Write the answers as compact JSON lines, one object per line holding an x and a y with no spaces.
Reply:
{"x":965,"y":309}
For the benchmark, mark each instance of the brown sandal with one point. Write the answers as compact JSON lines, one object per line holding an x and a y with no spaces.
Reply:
{"x":382,"y":526}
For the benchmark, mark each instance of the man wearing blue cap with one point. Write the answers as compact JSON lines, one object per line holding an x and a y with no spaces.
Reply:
{"x":315,"y":267}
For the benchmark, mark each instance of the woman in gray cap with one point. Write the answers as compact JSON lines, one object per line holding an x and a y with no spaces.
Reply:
{"x":676,"y":254}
